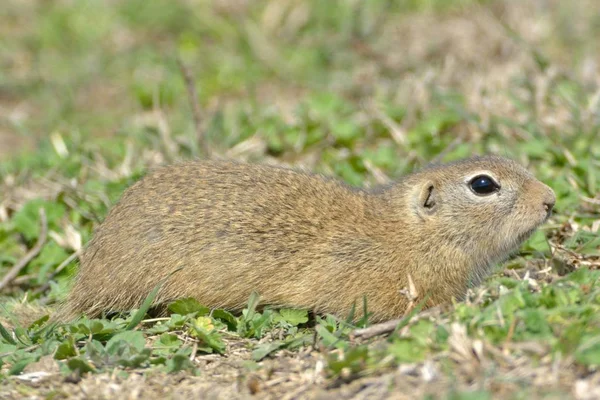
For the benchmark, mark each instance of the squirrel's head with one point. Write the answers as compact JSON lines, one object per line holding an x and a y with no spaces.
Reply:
{"x":485,"y":205}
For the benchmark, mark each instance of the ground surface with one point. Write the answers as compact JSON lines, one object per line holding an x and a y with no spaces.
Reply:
{"x":94,"y":93}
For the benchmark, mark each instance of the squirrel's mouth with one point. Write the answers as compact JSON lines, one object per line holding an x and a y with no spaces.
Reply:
{"x":523,"y":236}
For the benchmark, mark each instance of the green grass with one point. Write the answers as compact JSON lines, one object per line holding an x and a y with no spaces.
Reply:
{"x":365,"y":91}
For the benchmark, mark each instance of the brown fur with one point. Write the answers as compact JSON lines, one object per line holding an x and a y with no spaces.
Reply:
{"x":303,"y":240}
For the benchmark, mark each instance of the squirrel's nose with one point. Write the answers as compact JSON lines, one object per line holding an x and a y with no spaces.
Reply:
{"x":548,"y":206}
{"x":549,"y":201}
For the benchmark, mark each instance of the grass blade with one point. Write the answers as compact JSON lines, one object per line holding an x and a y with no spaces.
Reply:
{"x":252,"y":304}
{"x":411,"y":314}
{"x":6,"y":335}
{"x":139,"y":315}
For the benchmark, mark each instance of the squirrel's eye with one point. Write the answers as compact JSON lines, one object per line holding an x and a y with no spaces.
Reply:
{"x":483,"y":185}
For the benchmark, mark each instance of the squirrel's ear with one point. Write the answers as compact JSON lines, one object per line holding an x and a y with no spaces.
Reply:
{"x":426,"y":199}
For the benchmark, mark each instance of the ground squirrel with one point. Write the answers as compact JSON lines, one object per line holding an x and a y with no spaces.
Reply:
{"x":307,"y":241}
